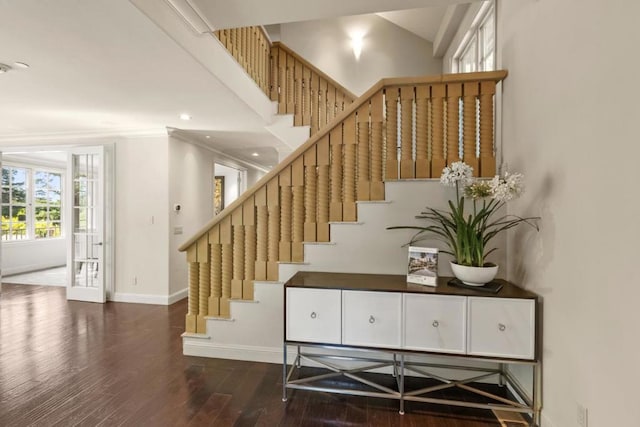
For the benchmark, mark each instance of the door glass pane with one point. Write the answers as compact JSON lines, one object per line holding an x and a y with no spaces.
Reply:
{"x":86,"y":240}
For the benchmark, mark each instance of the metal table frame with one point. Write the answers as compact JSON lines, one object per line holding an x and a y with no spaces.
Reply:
{"x":524,"y":403}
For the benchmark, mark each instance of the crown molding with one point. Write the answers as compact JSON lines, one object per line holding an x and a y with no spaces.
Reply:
{"x":75,"y":136}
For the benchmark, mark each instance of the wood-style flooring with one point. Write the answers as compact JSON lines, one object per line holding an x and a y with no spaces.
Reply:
{"x":66,"y":363}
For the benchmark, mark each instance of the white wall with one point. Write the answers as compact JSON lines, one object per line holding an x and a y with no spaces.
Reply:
{"x":570,"y":124}
{"x":230,"y":182}
{"x":191,"y":185}
{"x":20,"y":257}
{"x":388,"y":51}
{"x":142,"y":217}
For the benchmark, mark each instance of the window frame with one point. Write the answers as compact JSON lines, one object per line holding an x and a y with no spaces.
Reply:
{"x":31,"y":204}
{"x":474,"y":40}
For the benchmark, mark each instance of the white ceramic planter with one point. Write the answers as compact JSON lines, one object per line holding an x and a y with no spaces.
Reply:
{"x":474,"y":276}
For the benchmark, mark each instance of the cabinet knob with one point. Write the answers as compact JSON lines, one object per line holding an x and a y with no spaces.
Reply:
{"x":502,"y":327}
{"x":313,"y":315}
{"x":435,"y":324}
{"x":372,"y":319}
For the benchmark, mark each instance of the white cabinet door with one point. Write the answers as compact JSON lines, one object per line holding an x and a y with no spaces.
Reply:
{"x":435,"y":323}
{"x":313,"y":315}
{"x":371,"y":319}
{"x":501,"y":327}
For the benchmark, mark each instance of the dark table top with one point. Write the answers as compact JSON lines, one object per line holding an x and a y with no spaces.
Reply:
{"x":397,"y":283}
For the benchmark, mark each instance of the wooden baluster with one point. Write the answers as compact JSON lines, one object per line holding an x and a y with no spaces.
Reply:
{"x":323,"y":189}
{"x":438,"y":161}
{"x":273,"y":75}
{"x":310,"y":195}
{"x":407,"y":165}
{"x":422,"y":127}
{"x":331,"y":102}
{"x":340,"y":105}
{"x":249,"y":219}
{"x":470,"y":93}
{"x":349,"y":211}
{"x":297,"y":182}
{"x":306,"y":97}
{"x":194,"y":288}
{"x":216,"y":271}
{"x":238,"y":254}
{"x":273,"y":203}
{"x":227,"y":266}
{"x":297,"y":117}
{"x":253,"y":62}
{"x":290,"y":91}
{"x":335,"y":207}
{"x":286,"y":206}
{"x":323,"y":104}
{"x":262,"y":233}
{"x":487,"y":156}
{"x":234,"y":43}
{"x":315,"y":103}
{"x":391,"y":105}
{"x":282,"y":80}
{"x":364,"y":184}
{"x":204,"y":283}
{"x":243,"y":48}
{"x":264,"y":64}
{"x":226,"y":39}
{"x":454,"y":92}
{"x":377,"y":184}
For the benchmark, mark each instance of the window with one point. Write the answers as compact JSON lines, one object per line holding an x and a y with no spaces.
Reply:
{"x":477,"y":52}
{"x":31,"y":203}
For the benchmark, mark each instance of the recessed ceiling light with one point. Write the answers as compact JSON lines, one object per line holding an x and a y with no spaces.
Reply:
{"x":255,"y":154}
{"x":185,"y":116}
{"x":21,"y":64}
{"x":4,"y":68}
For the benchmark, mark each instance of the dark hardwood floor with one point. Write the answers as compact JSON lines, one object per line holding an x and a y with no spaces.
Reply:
{"x":66,"y":363}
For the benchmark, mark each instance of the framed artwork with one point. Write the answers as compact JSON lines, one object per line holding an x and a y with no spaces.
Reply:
{"x":423,"y":266}
{"x":218,"y":194}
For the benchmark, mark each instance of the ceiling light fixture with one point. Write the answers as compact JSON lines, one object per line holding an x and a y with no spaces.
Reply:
{"x":21,"y":65}
{"x":185,"y":116}
{"x":207,"y":136}
{"x":255,"y":154}
{"x":4,"y":68}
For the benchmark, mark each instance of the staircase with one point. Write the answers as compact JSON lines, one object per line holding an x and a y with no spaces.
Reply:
{"x":401,"y":129}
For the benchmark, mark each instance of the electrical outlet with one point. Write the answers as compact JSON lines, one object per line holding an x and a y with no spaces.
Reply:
{"x":582,"y":416}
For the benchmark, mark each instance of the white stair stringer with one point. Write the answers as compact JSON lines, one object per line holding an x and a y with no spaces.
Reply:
{"x":256,"y":332}
{"x":282,"y":127}
{"x":209,"y":52}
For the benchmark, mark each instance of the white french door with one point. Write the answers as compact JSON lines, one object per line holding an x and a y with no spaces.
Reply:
{"x":86,"y":225}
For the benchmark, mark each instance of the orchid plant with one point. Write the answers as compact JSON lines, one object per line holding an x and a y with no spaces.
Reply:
{"x":467,"y":234}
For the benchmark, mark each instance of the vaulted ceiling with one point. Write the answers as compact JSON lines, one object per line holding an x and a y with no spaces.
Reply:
{"x":102,"y":67}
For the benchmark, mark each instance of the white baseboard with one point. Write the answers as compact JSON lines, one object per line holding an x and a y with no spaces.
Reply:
{"x":11,"y":271}
{"x":545,"y":422}
{"x":149,"y":299}
{"x":202,"y":348}
{"x":177,"y":296}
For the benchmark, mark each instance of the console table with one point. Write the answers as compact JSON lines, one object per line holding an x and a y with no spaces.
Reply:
{"x":352,"y":323}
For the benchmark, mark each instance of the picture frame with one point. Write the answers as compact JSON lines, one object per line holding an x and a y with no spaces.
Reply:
{"x":422,"y":266}
{"x":218,"y":194}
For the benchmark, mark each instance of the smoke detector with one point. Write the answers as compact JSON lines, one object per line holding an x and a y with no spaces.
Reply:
{"x":4,"y":68}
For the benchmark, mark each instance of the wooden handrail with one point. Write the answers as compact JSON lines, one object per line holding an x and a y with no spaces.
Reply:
{"x":401,"y":128}
{"x":387,"y":82}
{"x":315,"y":69}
